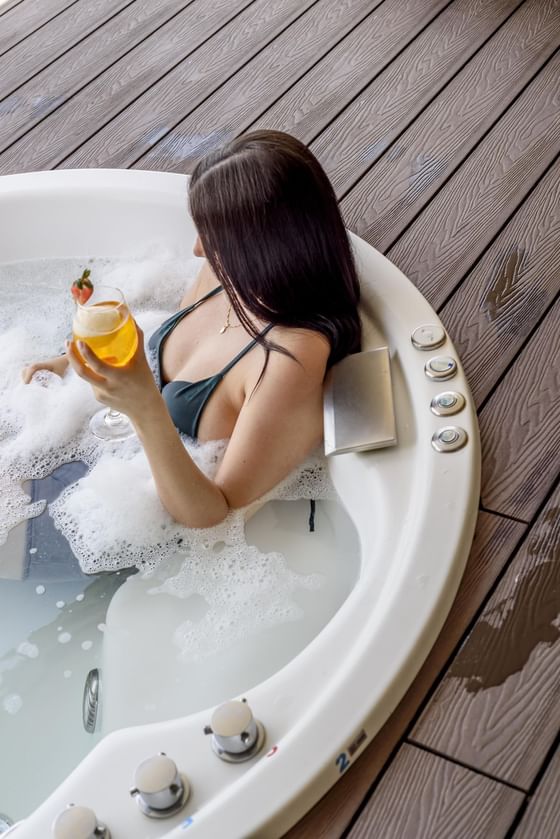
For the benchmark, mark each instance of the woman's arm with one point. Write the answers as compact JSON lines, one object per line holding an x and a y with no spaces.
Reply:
{"x":279,"y":424}
{"x":184,"y":490}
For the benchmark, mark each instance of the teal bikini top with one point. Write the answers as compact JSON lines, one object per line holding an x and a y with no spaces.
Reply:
{"x":186,"y":400}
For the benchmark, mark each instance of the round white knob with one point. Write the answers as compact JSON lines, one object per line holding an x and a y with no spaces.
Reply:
{"x":77,"y":822}
{"x":231,"y":719}
{"x":158,"y":786}
{"x":236,"y":735}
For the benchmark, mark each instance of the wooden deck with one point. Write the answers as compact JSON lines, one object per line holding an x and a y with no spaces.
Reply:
{"x":439,"y":125}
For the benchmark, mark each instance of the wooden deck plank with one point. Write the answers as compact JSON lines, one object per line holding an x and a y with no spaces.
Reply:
{"x":361,"y":134}
{"x":494,"y":542}
{"x":54,"y":39}
{"x":383,"y":30}
{"x":256,"y":86}
{"x":509,"y":290}
{"x":423,"y":795}
{"x":490,"y":184}
{"x":395,"y":189}
{"x":48,"y":90}
{"x":498,"y":708}
{"x":520,"y":427}
{"x":6,"y":5}
{"x":335,"y":80}
{"x":22,"y":19}
{"x":449,"y":39}
{"x":542,"y":817}
{"x":152,"y":104}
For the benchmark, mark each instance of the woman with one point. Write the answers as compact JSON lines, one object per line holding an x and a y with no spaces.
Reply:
{"x":274,"y":306}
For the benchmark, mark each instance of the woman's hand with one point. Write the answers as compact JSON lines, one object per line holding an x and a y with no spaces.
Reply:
{"x":128,"y":389}
{"x":58,"y":365}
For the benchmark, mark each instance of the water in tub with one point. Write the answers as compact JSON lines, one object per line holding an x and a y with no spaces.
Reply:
{"x":95,"y":574}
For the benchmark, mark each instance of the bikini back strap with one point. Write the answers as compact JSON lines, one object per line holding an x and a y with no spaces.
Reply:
{"x":244,"y":351}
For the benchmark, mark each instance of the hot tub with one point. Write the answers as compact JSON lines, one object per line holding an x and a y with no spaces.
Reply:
{"x":407,"y":517}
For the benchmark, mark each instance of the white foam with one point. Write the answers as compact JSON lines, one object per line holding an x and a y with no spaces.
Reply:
{"x":113,"y":517}
{"x":90,"y":321}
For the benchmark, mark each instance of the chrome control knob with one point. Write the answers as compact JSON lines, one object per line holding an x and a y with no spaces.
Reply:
{"x":160,"y":791}
{"x":236,"y":734}
{"x":449,"y":439}
{"x":77,"y":822}
{"x":429,"y":336}
{"x":446,"y":403}
{"x":441,"y":367}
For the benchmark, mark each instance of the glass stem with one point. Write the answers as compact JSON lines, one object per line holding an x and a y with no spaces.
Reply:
{"x":113,"y":417}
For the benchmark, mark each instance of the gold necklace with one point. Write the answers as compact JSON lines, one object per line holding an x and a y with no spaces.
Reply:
{"x":227,"y":324}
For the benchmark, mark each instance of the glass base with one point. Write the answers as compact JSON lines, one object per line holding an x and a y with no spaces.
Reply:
{"x":110,"y":425}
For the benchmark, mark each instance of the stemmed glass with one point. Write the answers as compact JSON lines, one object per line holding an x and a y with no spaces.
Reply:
{"x":104,"y":323}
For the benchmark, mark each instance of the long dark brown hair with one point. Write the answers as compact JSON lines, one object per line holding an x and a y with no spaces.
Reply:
{"x":270,"y":226}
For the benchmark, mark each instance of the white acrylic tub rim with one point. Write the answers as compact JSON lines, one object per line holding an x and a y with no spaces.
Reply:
{"x":351,"y":677}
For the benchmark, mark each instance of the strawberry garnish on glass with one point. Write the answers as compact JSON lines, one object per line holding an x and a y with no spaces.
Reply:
{"x":82,"y":289}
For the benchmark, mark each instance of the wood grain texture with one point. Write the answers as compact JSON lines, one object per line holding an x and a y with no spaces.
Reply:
{"x":542,"y":817}
{"x":520,"y":427}
{"x":8,"y":4}
{"x":252,"y":89}
{"x":24,"y":18}
{"x":489,"y":185}
{"x":494,"y":542}
{"x":498,"y":708}
{"x":151,"y":116}
{"x":53,"y":40}
{"x":337,"y":78}
{"x":424,"y":796}
{"x":407,"y":176}
{"x":56,"y":84}
{"x":125,"y":80}
{"x":503,"y":298}
{"x":363,"y":131}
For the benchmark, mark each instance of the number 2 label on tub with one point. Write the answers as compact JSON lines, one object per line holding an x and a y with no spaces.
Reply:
{"x":343,"y":759}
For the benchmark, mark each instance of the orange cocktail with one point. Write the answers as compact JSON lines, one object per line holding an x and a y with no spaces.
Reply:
{"x":105,"y":325}
{"x":103,"y":321}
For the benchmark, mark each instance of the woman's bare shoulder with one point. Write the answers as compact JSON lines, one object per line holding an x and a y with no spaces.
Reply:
{"x":310,"y":347}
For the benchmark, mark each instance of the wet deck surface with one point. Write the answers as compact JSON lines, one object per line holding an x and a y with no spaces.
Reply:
{"x":439,"y":125}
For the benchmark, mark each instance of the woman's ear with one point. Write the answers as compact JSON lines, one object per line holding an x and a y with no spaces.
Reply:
{"x":198,"y":250}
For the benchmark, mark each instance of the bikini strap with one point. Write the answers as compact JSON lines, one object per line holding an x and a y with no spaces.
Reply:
{"x":197,"y":303}
{"x":244,"y":351}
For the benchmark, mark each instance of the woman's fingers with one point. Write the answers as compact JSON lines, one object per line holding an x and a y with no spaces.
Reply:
{"x":92,"y":372}
{"x":93,"y":362}
{"x":140,"y":346}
